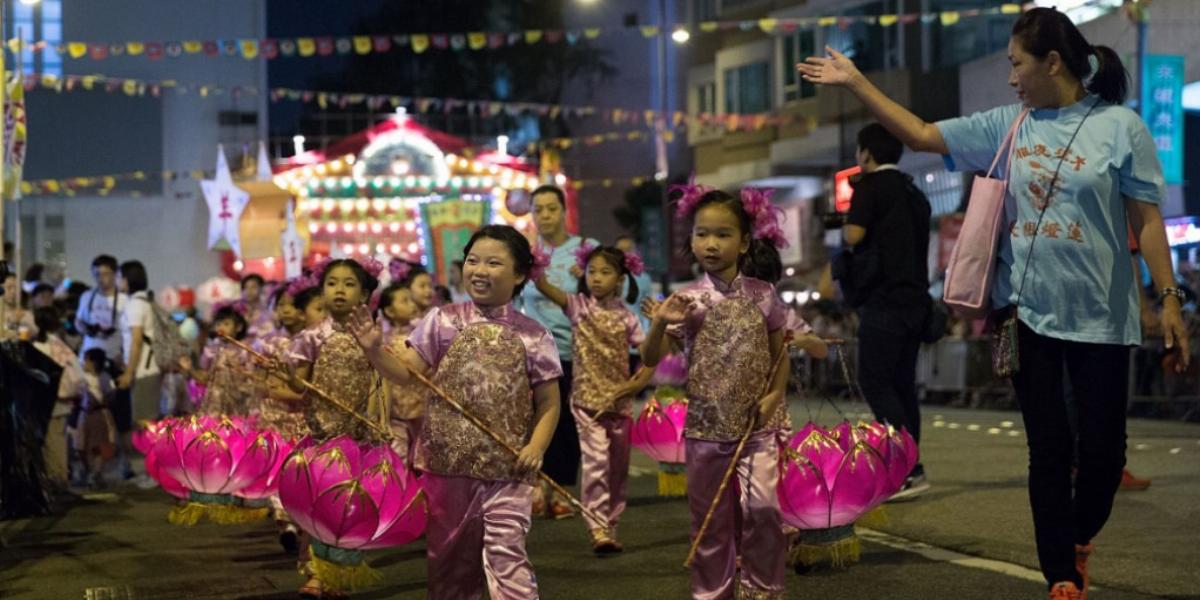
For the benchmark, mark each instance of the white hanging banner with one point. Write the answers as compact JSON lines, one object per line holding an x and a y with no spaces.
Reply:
{"x":225,"y":205}
{"x":292,"y":245}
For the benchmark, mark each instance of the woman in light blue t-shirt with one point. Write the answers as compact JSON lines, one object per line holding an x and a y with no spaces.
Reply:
{"x":1084,"y":171}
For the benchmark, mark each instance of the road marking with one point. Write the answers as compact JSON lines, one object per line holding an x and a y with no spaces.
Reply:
{"x":973,"y":427}
{"x":1141,"y":447}
{"x":946,"y":555}
{"x":953,"y":426}
{"x":1175,"y":450}
{"x":1006,"y":424}
{"x":993,"y":431}
{"x":940,"y":424}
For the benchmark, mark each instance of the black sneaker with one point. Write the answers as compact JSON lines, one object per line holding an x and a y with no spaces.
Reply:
{"x":914,"y":486}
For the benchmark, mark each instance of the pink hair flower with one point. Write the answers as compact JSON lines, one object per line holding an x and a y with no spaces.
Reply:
{"x":399,"y":269}
{"x":373,"y":267}
{"x":581,"y":255}
{"x":767,"y":217}
{"x":634,"y":263}
{"x":541,"y":262}
{"x":297,"y":286}
{"x":690,"y":194}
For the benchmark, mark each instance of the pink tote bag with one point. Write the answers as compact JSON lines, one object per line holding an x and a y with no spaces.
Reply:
{"x":972,"y":269}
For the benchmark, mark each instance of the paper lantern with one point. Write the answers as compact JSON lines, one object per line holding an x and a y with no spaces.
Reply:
{"x":267,"y":485}
{"x":350,"y":498}
{"x":658,"y":432}
{"x":215,"y":458}
{"x":146,"y":440}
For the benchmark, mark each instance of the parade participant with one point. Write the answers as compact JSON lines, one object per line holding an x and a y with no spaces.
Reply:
{"x":602,"y":394}
{"x":501,"y":366}
{"x":258,"y":316}
{"x":562,"y":458}
{"x":280,"y":408}
{"x":327,"y":355}
{"x":404,"y":403}
{"x":311,"y":305}
{"x":731,"y":328}
{"x":417,"y":280}
{"x":18,"y":322}
{"x":224,"y":368}
{"x":1083,"y":166}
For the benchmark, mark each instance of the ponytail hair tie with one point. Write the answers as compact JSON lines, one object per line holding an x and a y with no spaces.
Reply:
{"x":634,"y":264}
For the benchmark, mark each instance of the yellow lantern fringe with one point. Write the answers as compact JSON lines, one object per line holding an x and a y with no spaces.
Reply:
{"x":221,"y":512}
{"x":344,"y":577}
{"x":875,"y":519}
{"x":839,"y":547}
{"x":839,"y":554}
{"x":672,"y":480}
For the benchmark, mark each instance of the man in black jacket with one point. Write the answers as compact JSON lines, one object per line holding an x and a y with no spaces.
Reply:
{"x":889,"y":217}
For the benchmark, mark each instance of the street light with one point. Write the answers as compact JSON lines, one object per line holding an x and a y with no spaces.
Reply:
{"x":681,"y":36}
{"x":298,"y":144}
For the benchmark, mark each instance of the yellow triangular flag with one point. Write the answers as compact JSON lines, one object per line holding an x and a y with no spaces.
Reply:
{"x":591,"y":33}
{"x":306,"y":46}
{"x":477,"y":40}
{"x":362,"y":44}
{"x":420,"y":42}
{"x":649,"y":31}
{"x":77,"y":49}
{"x":827,"y":21}
{"x":949,"y":17}
{"x":768,"y":25}
{"x":532,"y":36}
{"x":249,"y":49}
{"x":192,"y":46}
{"x":1011,"y":8}
{"x":135,"y":48}
{"x":129,"y":87}
{"x":709,"y":26}
{"x":888,"y":20}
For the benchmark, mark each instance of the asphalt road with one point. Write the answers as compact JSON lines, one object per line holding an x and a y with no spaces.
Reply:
{"x":969,"y":537}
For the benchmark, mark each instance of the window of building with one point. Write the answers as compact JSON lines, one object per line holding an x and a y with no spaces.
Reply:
{"x":704,"y":10}
{"x":36,"y":23}
{"x":747,"y":89}
{"x":796,"y":47}
{"x":706,"y":98}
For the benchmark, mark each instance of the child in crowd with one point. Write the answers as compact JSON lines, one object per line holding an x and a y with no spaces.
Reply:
{"x":502,"y":367}
{"x":602,"y":391}
{"x":418,"y":280}
{"x":96,"y":435}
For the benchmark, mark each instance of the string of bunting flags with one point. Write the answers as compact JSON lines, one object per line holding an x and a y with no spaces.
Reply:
{"x":307,"y":47}
{"x":104,"y":185}
{"x":417,"y":105}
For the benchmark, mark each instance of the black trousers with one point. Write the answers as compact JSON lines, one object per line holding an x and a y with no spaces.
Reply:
{"x":561,"y":461}
{"x":888,"y":345}
{"x":1071,"y":510}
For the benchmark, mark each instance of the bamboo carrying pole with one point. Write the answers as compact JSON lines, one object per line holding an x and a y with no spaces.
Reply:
{"x":737,"y":453}
{"x":496,"y":437}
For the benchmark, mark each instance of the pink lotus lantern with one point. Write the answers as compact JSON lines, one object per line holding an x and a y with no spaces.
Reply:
{"x":215,"y":458}
{"x":350,"y":498}
{"x":658,"y":433}
{"x":146,"y":441}
{"x":830,"y":478}
{"x":260,"y":491}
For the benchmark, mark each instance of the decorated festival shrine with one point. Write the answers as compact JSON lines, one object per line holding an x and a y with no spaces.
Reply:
{"x":401,"y":189}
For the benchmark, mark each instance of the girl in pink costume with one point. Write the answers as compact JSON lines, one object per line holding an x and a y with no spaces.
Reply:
{"x":602,"y":391}
{"x":403,"y":403}
{"x":503,"y":367}
{"x":731,"y":327}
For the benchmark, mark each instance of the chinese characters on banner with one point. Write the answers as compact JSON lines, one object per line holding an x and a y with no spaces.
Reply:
{"x":1162,"y":108}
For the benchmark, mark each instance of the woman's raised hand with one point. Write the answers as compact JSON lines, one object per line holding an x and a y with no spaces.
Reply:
{"x":834,"y":69}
